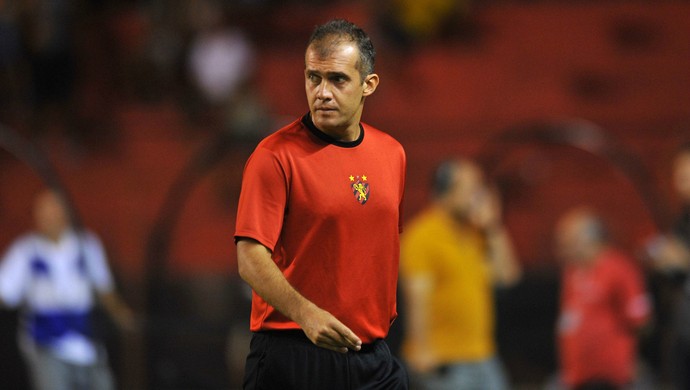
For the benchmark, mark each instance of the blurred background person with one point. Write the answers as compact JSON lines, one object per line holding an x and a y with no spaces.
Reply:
{"x":221,"y":56}
{"x":409,"y":23}
{"x":51,"y":275}
{"x":10,"y":57}
{"x":50,"y":44}
{"x":452,"y":255}
{"x":604,"y":305}
{"x":671,"y":255}
{"x":221,"y":61}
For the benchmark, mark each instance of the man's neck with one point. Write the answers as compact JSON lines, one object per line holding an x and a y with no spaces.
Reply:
{"x":54,"y":237}
{"x":347,"y":137}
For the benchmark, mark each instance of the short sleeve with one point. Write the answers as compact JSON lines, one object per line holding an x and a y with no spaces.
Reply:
{"x":263,"y":199}
{"x":14,"y":272}
{"x":402,"y":190}
{"x":415,"y":254}
{"x":636,"y":302}
{"x":98,"y":269}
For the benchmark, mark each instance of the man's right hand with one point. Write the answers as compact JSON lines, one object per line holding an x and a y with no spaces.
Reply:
{"x":257,"y":268}
{"x":324,"y":330}
{"x":668,"y":253}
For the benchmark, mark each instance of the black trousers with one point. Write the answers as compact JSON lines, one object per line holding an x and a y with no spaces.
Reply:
{"x":287,"y":360}
{"x":681,"y":364}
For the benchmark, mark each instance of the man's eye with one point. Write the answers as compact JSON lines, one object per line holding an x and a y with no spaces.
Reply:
{"x":314,"y":78}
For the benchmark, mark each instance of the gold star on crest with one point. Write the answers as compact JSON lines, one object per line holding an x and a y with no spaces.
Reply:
{"x":352,"y":178}
{"x":364,"y":177}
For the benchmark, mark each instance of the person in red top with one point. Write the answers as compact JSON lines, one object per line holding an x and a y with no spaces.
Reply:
{"x":603,"y":305}
{"x":317,"y":231}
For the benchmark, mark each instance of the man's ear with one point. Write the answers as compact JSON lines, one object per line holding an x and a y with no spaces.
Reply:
{"x":370,"y":83}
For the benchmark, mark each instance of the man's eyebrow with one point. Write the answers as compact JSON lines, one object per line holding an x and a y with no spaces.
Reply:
{"x":337,"y":74}
{"x":327,"y":74}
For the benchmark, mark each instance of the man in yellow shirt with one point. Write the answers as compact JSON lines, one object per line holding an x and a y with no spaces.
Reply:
{"x":452,"y":255}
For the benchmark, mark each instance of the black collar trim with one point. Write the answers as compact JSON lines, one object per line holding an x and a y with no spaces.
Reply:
{"x":306,"y":120}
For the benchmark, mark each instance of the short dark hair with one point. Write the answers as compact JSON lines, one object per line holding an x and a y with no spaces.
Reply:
{"x":443,"y":177}
{"x":343,"y":29}
{"x":683,"y":148}
{"x":596,"y":230}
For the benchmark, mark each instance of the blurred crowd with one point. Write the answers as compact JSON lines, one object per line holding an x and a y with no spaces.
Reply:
{"x":64,"y":64}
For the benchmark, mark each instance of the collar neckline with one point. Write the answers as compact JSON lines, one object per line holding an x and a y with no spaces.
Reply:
{"x":306,"y":120}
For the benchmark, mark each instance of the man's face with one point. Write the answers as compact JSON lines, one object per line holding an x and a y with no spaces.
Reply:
{"x":568,"y":241}
{"x":572,"y":243}
{"x":335,"y":89}
{"x":467,"y":190}
{"x":681,"y":176}
{"x":50,"y":215}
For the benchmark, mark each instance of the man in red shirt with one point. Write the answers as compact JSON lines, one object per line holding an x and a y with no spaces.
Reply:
{"x":317,"y":231}
{"x":603,"y":305}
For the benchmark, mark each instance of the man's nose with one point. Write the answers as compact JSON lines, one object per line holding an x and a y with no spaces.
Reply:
{"x":324,"y":91}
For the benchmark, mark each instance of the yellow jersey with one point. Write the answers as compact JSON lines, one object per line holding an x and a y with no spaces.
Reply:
{"x":461,"y":323}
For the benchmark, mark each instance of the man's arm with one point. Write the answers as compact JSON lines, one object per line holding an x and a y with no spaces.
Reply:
{"x":257,"y":268}
{"x":669,"y":253}
{"x":118,"y":310}
{"x":417,"y":291}
{"x":505,"y":268}
{"x":101,"y":279}
{"x":13,"y":275}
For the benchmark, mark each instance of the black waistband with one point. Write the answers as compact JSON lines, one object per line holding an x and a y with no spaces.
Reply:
{"x":300,"y":336}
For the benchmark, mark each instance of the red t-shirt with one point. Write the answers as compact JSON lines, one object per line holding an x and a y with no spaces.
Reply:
{"x":330,"y":212}
{"x":601,"y":309}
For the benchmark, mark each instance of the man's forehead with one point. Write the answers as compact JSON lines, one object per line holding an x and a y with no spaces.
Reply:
{"x":683,"y":158}
{"x":342,"y":51}
{"x":331,"y":67}
{"x":328,"y":44}
{"x":48,"y":196}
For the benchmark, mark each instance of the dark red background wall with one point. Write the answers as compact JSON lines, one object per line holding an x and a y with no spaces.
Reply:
{"x":621,"y":65}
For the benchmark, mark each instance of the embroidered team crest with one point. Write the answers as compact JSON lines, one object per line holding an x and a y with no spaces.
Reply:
{"x":360,"y":188}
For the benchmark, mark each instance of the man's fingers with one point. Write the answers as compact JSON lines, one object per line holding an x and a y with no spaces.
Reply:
{"x":325,"y":331}
{"x":332,"y":346}
{"x":348,"y":338}
{"x":339,"y":338}
{"x":331,"y":340}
